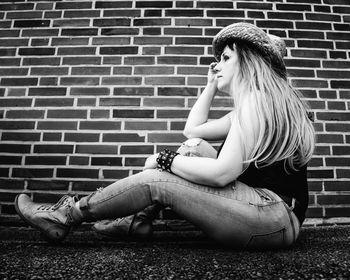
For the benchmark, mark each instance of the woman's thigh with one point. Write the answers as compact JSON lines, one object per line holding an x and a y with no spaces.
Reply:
{"x":235,"y":215}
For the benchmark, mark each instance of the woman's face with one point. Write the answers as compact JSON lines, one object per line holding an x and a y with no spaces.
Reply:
{"x":226,"y":69}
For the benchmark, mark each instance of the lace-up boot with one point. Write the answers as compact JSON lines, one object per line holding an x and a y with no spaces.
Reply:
{"x":54,"y":221}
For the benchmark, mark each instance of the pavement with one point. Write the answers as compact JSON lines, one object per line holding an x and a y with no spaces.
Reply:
{"x":321,"y":252}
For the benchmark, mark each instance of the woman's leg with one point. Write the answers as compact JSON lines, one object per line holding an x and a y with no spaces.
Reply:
{"x":140,"y":224}
{"x":235,"y":215}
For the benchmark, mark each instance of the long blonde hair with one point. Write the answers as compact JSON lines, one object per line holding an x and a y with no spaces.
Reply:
{"x":285,"y":130}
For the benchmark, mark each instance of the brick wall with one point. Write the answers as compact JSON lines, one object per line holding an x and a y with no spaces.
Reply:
{"x":89,"y":89}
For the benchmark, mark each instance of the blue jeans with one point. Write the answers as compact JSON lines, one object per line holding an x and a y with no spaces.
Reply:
{"x":236,"y":215}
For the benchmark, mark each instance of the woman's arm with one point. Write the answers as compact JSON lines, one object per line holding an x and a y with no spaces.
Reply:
{"x":229,"y":165}
{"x":197,"y":125}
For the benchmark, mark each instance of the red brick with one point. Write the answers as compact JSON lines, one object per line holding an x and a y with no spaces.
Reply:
{"x":10,"y":160}
{"x":336,"y":105}
{"x":337,"y":161}
{"x":4,"y":172}
{"x":177,"y":125}
{"x":115,"y":101}
{"x":99,"y":125}
{"x":15,"y":102}
{"x":19,"y":81}
{"x":193,"y":41}
{"x":32,"y":172}
{"x":10,"y":61}
{"x":135,"y":161}
{"x":185,"y":13}
{"x":79,"y":32}
{"x":323,"y":17}
{"x":338,"y":212}
{"x":96,"y":149}
{"x":113,"y":4}
{"x":136,"y":149}
{"x":122,"y":13}
{"x":117,"y":31}
{"x":148,"y":125}
{"x":15,"y":148}
{"x":130,"y":91}
{"x":160,"y":80}
{"x":115,"y":174}
{"x":166,"y":137}
{"x":48,"y":136}
{"x":151,"y":21}
{"x":77,"y":173}
{"x":20,"y":136}
{"x":118,"y":50}
{"x":91,"y":91}
{"x":315,"y":44}
{"x":164,"y":102}
{"x":341,"y":150}
{"x":79,"y":81}
{"x":25,"y":114}
{"x":91,"y":71}
{"x":127,"y":80}
{"x":76,"y":51}
{"x":184,"y":50}
{"x":45,"y":160}
{"x":14,"y":42}
{"x":47,"y":91}
{"x":193,"y":22}
{"x":81,"y":60}
{"x":153,"y":70}
{"x":154,"y":4}
{"x":40,"y":33}
{"x":106,"y":161}
{"x":14,"y":125}
{"x":122,"y":70}
{"x":337,"y":185}
{"x":321,"y":173}
{"x":153,"y":13}
{"x":177,"y":91}
{"x":54,"y":102}
{"x":314,"y":212}
{"x":16,"y":7}
{"x":172,"y":114}
{"x":99,"y":114}
{"x":48,"y":185}
{"x":133,"y":114}
{"x":343,"y":173}
{"x":24,"y":15}
{"x":78,"y":160}
{"x":339,"y":127}
{"x":57,"y":125}
{"x":122,"y":137}
{"x":41,"y":61}
{"x":333,"y":199}
{"x":144,"y":60}
{"x":73,"y":5}
{"x":185,"y":4}
{"x":11,"y":184}
{"x":333,"y":116}
{"x":151,"y":50}
{"x":45,"y":71}
{"x":69,"y":41}
{"x":309,"y":83}
{"x":81,"y":137}
{"x":53,"y":148}
{"x":86,"y":102}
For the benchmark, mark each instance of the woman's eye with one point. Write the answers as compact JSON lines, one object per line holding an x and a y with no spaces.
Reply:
{"x":225,"y":57}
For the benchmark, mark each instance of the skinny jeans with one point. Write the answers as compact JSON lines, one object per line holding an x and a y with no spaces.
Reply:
{"x":236,"y":215}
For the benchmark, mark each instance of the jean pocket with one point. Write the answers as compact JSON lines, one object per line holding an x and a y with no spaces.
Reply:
{"x":271,"y":240}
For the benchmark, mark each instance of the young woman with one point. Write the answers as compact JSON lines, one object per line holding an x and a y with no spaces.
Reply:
{"x":254,"y":192}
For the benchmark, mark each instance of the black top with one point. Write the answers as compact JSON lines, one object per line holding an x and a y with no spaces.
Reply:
{"x":274,"y":177}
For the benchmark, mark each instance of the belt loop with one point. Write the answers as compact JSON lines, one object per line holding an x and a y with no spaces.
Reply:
{"x":293,"y":204}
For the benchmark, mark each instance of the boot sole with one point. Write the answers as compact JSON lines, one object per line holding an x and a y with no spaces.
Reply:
{"x":44,"y":234}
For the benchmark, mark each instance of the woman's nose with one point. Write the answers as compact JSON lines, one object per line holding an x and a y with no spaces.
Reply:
{"x":216,"y":67}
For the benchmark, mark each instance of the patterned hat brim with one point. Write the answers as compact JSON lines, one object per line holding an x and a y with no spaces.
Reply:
{"x":272,"y":48}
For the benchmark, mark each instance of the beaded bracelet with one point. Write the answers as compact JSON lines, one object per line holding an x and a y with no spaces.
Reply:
{"x":165,"y":159}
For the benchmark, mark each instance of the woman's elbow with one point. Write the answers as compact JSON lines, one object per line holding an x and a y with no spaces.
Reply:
{"x":188,"y":133}
{"x":223,"y":181}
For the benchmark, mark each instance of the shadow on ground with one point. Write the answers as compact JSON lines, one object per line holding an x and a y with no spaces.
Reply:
{"x":320,"y":253}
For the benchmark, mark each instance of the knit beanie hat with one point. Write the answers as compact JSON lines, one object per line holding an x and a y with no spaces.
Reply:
{"x":271,"y":48}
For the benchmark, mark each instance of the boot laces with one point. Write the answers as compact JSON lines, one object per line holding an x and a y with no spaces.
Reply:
{"x":64,"y":201}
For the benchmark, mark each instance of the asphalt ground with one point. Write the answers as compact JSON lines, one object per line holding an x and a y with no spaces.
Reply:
{"x":320,"y":253}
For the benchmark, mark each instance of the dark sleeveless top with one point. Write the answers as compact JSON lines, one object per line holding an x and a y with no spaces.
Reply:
{"x":274,"y":177}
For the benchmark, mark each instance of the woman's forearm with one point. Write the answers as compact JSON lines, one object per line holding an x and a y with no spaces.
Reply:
{"x":200,"y":111}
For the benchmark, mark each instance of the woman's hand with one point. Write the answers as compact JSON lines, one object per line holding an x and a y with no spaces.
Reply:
{"x":212,"y":74}
{"x":151,"y":162}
